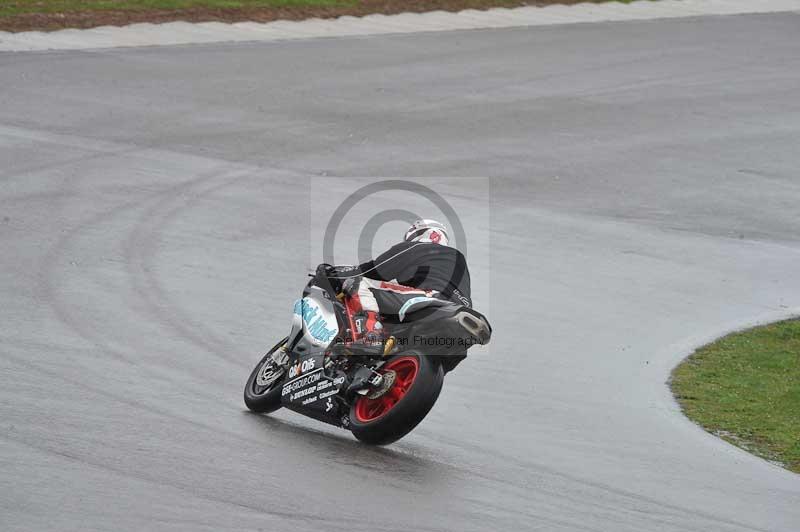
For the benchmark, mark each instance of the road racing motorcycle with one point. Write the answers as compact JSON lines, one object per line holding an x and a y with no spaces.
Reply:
{"x":334,"y":369}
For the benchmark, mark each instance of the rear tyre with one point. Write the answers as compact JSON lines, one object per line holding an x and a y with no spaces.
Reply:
{"x":262,"y":393}
{"x":387,"y":418}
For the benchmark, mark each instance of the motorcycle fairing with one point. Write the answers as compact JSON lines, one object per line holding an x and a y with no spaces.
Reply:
{"x":310,"y":391}
{"x":314,"y":322}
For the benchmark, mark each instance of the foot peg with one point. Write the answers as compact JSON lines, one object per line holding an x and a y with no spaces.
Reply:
{"x":363,"y":380}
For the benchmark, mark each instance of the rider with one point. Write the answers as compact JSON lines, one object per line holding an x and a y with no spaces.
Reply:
{"x":421,"y":271}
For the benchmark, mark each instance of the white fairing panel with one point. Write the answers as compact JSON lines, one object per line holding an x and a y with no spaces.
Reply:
{"x":318,"y":319}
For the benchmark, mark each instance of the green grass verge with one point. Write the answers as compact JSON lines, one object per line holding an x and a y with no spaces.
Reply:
{"x":22,"y":7}
{"x":745,"y":388}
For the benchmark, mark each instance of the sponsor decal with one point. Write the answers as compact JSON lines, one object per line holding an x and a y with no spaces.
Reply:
{"x":328,"y":394}
{"x":461,"y":297}
{"x":359,"y":321}
{"x":314,"y":321}
{"x":312,"y":387}
{"x":301,"y":382}
{"x":301,"y":367}
{"x":302,"y":393}
{"x":329,"y":405}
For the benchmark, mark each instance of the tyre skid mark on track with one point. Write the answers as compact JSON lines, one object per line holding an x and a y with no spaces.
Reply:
{"x":145,"y":283}
{"x":140,"y":248}
{"x":63,"y":309}
{"x":33,"y":169}
{"x":49,"y":264}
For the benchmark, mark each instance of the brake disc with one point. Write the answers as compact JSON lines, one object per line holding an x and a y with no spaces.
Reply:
{"x":386,"y":384}
{"x":268,"y":373}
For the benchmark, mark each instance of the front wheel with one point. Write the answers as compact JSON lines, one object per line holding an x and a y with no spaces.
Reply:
{"x":262,"y":393}
{"x":413,"y":385}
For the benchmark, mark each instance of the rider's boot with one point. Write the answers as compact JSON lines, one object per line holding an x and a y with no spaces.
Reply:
{"x":370,"y":332}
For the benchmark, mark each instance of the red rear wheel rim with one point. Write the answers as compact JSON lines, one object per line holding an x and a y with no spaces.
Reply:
{"x":406,"y":369}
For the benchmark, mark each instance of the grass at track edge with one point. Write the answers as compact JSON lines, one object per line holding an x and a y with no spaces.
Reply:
{"x":745,"y":389}
{"x":49,"y":15}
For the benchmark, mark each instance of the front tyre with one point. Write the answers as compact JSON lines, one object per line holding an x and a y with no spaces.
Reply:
{"x":262,"y":393}
{"x":416,"y":381}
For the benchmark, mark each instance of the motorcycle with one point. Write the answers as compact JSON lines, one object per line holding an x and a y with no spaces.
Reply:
{"x":331,"y":368}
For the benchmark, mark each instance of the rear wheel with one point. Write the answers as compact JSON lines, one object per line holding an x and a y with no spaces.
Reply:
{"x":413,"y":383}
{"x":262,"y":393}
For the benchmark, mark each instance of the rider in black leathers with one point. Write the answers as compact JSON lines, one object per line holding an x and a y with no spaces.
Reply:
{"x":417,"y":273}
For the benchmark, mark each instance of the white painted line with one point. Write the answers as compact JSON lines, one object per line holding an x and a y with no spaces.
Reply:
{"x":208,"y":32}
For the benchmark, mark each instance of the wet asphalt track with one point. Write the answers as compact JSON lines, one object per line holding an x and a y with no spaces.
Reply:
{"x":153,"y":228}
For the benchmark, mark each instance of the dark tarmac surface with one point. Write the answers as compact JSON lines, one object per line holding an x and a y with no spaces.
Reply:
{"x":154,"y":226}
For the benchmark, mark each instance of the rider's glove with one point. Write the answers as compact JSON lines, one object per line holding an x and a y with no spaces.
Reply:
{"x":350,"y":285}
{"x":324,"y":269}
{"x":343,"y":272}
{"x":337,"y":275}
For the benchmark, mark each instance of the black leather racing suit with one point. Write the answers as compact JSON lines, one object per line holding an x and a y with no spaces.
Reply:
{"x":421,"y":265}
{"x":424,"y":265}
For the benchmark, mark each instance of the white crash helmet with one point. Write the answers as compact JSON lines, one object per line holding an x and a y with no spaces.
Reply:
{"x":427,"y":231}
